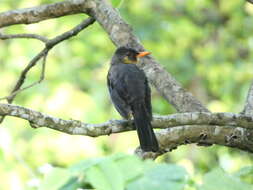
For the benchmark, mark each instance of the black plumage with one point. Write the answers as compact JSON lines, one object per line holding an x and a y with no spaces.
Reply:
{"x":130,"y":94}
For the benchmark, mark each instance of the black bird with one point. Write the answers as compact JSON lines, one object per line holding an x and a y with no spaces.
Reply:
{"x":130,"y":94}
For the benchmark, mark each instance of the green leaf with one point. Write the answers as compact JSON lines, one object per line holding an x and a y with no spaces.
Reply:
{"x":105,"y":176}
{"x":130,"y":166}
{"x":80,"y":167}
{"x":217,"y":178}
{"x":72,"y":184}
{"x":167,"y":172}
{"x":160,"y":177}
{"x":116,"y":3}
{"x":56,"y":179}
{"x":149,"y":184}
{"x":248,"y":170}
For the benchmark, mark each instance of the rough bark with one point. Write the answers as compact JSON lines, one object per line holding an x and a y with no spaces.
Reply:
{"x":44,"y":12}
{"x":178,"y":130}
{"x":171,"y":138}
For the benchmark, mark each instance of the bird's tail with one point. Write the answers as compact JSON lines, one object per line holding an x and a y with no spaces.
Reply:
{"x":142,"y":121}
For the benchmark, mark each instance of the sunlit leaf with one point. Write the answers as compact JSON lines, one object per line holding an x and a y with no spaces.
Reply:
{"x":218,"y":179}
{"x":160,"y":177}
{"x":248,"y":170}
{"x":71,"y":184}
{"x":105,"y":176}
{"x":56,"y":179}
{"x":80,"y":167}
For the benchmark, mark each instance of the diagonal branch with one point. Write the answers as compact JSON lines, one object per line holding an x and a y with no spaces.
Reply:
{"x":73,"y":32}
{"x":22,"y":77}
{"x":248,"y":109}
{"x":49,"y":44}
{"x":120,"y":33}
{"x":42,"y":76}
{"x":181,"y":129}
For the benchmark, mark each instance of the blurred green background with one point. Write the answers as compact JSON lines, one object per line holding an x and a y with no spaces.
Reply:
{"x":206,"y":45}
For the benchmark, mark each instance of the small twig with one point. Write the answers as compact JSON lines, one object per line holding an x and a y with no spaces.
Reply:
{"x":42,"y":76}
{"x":22,"y":77}
{"x":73,"y":32}
{"x":30,"y":36}
{"x":49,"y":44}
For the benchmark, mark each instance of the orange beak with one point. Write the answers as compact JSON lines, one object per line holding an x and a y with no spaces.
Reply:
{"x":143,"y":53}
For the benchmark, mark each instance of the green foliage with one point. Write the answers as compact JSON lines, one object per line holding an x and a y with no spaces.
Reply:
{"x":105,"y":176}
{"x":218,"y":178}
{"x":161,"y":176}
{"x":245,"y":174}
{"x":57,"y":179}
{"x":248,"y":170}
{"x":119,"y":172}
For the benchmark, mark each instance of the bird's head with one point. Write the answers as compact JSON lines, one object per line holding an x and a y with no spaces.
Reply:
{"x":128,"y":55}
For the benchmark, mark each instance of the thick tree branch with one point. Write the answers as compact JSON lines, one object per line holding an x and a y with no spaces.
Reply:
{"x":44,"y":12}
{"x":171,"y":138}
{"x":248,"y":109}
{"x":204,"y":118}
{"x":203,"y":127}
{"x":49,"y":11}
{"x":115,"y":126}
